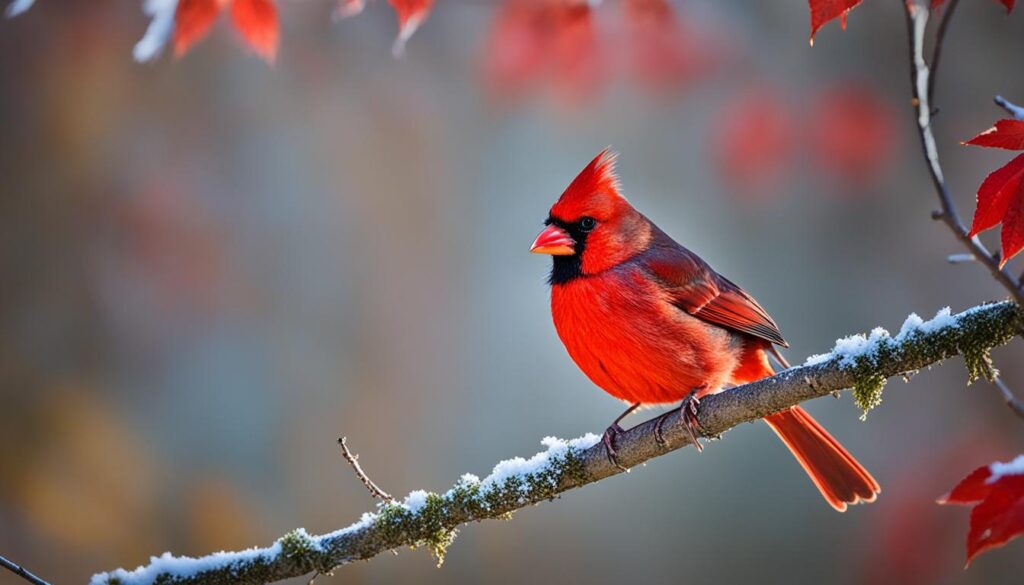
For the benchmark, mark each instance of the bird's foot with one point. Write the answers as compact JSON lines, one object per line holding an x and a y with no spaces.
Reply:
{"x":609,"y":444}
{"x":687,"y":417}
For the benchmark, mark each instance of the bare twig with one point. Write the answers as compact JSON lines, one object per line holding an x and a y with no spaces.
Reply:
{"x":940,"y":38}
{"x":920,"y":75}
{"x":353,"y":460}
{"x":960,"y":258}
{"x":1015,"y":405}
{"x":1011,"y":108}
{"x":430,"y":519}
{"x":21,"y":571}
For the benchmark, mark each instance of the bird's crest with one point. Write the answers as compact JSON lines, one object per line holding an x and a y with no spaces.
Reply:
{"x":594,"y":192}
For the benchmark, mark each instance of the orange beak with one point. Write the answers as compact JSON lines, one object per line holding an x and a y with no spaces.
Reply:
{"x":554,"y":241}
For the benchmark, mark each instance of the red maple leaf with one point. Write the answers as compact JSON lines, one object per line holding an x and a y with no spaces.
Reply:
{"x":822,"y":11}
{"x":1001,"y":195}
{"x":998,"y":489}
{"x":1008,"y":134}
{"x":256,"y":20}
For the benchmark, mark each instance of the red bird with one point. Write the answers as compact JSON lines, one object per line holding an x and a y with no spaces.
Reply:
{"x":651,"y":323}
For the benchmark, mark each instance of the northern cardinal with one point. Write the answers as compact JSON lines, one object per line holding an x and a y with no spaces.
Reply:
{"x":651,"y":323}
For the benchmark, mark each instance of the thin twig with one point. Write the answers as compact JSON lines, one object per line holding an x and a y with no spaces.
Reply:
{"x":1015,"y":405}
{"x":917,"y":21}
{"x":960,"y":258}
{"x":353,"y":460}
{"x":940,"y":38}
{"x":21,"y":572}
{"x":1013,"y":109}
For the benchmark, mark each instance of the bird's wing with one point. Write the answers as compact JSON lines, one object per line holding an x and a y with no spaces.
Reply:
{"x":700,"y":291}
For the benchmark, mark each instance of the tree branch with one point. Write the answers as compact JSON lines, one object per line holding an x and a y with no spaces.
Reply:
{"x":21,"y":572}
{"x":430,"y":519}
{"x":917,"y":20}
{"x":353,"y":461}
{"x":1011,"y":401}
{"x":1011,"y":108}
{"x":940,"y":38}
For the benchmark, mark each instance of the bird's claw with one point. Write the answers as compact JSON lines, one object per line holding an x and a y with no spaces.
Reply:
{"x":609,"y":445}
{"x":688,"y":417}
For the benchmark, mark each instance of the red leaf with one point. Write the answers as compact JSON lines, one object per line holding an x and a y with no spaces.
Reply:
{"x":1008,"y":134}
{"x":534,"y":41}
{"x":574,"y":46}
{"x":822,"y":11}
{"x":851,"y":133}
{"x":192,"y":22}
{"x":754,"y":142}
{"x":999,"y":517}
{"x":257,"y":21}
{"x":1001,"y":199}
{"x":971,"y":489}
{"x":411,"y":14}
{"x":662,"y":53}
{"x":514,"y":55}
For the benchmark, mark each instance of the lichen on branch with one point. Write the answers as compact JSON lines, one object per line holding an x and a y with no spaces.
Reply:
{"x":427,"y":519}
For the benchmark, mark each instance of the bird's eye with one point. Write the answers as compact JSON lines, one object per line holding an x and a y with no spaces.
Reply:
{"x":588,"y":223}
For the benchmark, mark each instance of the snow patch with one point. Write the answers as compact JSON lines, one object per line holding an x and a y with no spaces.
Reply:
{"x":161,"y":26}
{"x":18,"y":6}
{"x":848,"y":349}
{"x":1000,"y":470}
{"x":517,"y":466}
{"x":415,"y":501}
{"x":185,"y":566}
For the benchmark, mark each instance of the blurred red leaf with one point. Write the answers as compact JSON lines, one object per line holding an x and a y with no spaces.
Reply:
{"x":662,"y":53}
{"x":258,"y":23}
{"x":411,"y":14}
{"x":575,"y":47}
{"x":1008,"y":134}
{"x":999,"y":517}
{"x":823,"y":11}
{"x":538,"y":41}
{"x":754,"y":140}
{"x":514,"y":55}
{"x":256,"y":20}
{"x":851,"y":133}
{"x":192,"y":22}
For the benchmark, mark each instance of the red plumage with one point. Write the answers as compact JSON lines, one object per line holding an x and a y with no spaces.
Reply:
{"x":649,"y":321}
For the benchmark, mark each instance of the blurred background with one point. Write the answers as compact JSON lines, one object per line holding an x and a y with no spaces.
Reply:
{"x":210,"y":269}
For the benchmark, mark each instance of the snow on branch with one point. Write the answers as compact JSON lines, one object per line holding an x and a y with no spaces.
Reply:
{"x":862,"y":362}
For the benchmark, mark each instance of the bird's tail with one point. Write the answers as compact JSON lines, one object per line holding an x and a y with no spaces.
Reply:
{"x":836,"y":474}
